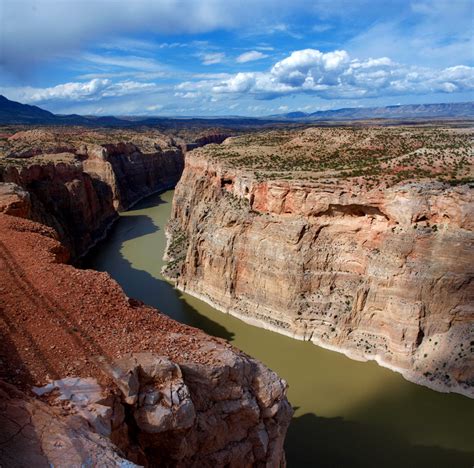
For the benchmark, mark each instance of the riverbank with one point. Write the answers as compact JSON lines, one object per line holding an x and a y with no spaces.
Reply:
{"x":262,"y":323}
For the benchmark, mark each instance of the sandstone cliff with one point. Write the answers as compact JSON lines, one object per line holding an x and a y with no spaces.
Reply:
{"x":79,"y":207}
{"x":132,"y":174}
{"x":115,"y":383}
{"x":376,"y":271}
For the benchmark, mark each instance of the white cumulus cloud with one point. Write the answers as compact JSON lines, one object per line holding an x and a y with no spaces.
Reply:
{"x":334,"y":75}
{"x":92,"y":90}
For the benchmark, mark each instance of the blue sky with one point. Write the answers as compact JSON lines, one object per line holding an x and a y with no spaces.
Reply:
{"x":227,"y":57}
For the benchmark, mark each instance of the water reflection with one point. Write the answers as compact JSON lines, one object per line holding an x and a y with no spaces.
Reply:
{"x":348,"y":413}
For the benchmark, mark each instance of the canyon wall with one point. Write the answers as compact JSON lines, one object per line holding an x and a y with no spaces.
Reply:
{"x":381,"y":273}
{"x":79,"y":193}
{"x":132,"y":174}
{"x":79,"y":207}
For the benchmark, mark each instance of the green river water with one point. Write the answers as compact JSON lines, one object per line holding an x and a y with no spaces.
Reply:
{"x":347,"y":413}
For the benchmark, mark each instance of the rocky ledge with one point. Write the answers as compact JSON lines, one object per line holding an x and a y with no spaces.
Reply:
{"x":377,"y":269}
{"x":116,"y":382}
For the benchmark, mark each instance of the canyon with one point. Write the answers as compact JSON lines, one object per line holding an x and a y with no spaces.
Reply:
{"x":355,"y":239}
{"x":288,"y":230}
{"x":88,"y":374}
{"x":79,"y":180}
{"x":343,"y":408}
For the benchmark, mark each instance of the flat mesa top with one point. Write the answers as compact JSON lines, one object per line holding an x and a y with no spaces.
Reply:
{"x":21,"y":142}
{"x":373,"y":155}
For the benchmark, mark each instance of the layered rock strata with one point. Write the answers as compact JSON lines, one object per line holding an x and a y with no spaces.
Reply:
{"x":78,"y":188}
{"x":78,"y":206}
{"x":115,"y":383}
{"x":131,"y":174}
{"x":380,"y":273}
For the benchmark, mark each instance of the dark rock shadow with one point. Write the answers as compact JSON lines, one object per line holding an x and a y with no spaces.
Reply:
{"x":12,"y":368}
{"x":334,"y":442}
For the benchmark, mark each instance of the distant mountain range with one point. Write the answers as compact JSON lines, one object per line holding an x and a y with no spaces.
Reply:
{"x":410,"y":111}
{"x":12,"y":112}
{"x":15,"y":113}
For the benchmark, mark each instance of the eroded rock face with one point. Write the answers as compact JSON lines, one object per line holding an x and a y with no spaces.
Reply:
{"x":154,"y":386}
{"x":381,"y":274}
{"x":132,"y":174}
{"x":78,"y":188}
{"x":233,"y":411}
{"x":33,"y":433}
{"x":64,"y":197}
{"x":256,"y":413}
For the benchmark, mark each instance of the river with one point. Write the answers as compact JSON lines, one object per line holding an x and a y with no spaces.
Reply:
{"x":347,"y":413}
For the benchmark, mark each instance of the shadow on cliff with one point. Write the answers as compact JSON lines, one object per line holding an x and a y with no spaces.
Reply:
{"x":334,"y":442}
{"x":139,"y":284}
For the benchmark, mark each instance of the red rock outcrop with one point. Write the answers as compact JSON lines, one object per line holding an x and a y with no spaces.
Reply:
{"x":133,"y":383}
{"x":381,"y":273}
{"x":79,"y":207}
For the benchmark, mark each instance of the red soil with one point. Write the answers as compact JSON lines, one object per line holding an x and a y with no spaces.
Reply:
{"x":55,"y":319}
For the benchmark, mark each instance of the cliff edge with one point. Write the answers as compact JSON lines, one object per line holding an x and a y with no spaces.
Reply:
{"x":79,"y":179}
